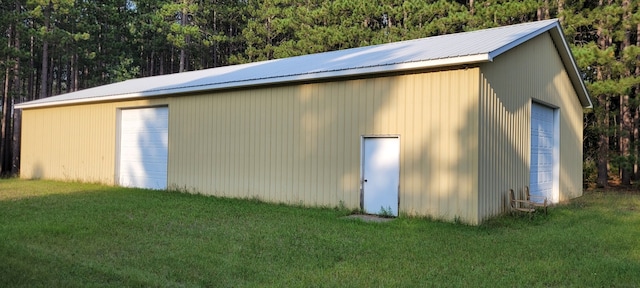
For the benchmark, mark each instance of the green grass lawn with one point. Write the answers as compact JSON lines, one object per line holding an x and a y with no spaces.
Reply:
{"x":70,"y":234}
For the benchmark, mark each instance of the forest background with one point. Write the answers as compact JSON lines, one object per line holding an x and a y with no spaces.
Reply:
{"x":51,"y":47}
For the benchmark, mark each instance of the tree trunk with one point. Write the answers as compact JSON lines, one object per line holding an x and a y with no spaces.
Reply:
{"x":626,"y":119}
{"x":603,"y":143}
{"x":634,"y":139}
{"x":14,"y":143}
{"x":625,"y":139}
{"x":5,"y":111}
{"x":152,"y":63}
{"x":86,"y":72}
{"x":172,"y":61}
{"x":17,"y":139}
{"x":31,"y":89}
{"x":58,"y":76}
{"x":161,"y":69}
{"x":50,"y":75}
{"x":183,"y":52}
{"x":215,"y":45}
{"x":561,"y":11}
{"x":183,"y":55}
{"x":45,"y":69}
{"x":602,"y":73}
{"x":5,"y":122}
{"x":543,"y":11}
{"x":44,"y":77}
{"x":636,"y":116}
{"x":547,"y":13}
{"x":75,"y":67}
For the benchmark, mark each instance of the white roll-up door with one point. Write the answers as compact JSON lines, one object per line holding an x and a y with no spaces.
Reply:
{"x":143,"y":149}
{"x":544,"y":159}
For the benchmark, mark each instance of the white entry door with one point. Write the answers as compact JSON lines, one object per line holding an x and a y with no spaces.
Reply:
{"x":381,"y":175}
{"x":544,"y":166}
{"x":143,"y":149}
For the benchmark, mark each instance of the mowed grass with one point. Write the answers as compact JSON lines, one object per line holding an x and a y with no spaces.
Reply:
{"x":69,"y":234}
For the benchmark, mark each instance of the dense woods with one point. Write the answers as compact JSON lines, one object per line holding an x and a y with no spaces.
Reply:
{"x":50,"y":47}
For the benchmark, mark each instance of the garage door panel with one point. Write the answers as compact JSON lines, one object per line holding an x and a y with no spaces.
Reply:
{"x":141,"y":167}
{"x":146,"y":152}
{"x":144,"y":147}
{"x":152,"y":133}
{"x":144,"y":174}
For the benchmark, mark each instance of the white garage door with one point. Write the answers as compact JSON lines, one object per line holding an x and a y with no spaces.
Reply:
{"x":143,"y":147}
{"x":543,"y":152}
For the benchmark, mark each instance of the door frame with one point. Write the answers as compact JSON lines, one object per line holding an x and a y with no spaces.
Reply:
{"x":118,"y":143}
{"x":556,"y":146}
{"x":362,"y":163}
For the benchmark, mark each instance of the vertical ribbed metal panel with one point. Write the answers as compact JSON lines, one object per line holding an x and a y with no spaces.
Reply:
{"x":74,"y":143}
{"x":530,"y":72}
{"x":301,"y":143}
{"x":296,"y":144}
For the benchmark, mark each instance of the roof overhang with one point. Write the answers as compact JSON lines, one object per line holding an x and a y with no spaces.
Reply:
{"x":557,"y":35}
{"x":570,"y":65}
{"x":325,"y":75}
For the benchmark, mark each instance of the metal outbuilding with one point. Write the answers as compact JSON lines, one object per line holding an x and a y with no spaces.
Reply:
{"x":442,"y":126}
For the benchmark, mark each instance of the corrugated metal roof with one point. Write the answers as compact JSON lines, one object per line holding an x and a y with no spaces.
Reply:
{"x":445,"y":50}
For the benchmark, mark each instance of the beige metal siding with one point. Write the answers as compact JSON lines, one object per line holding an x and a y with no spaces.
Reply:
{"x":74,"y":143}
{"x":301,"y":143}
{"x":298,"y":144}
{"x":530,"y":71}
